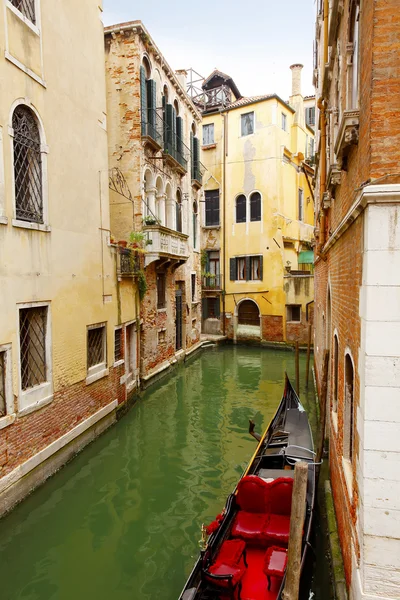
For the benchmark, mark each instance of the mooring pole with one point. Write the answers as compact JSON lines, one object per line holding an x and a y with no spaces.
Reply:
{"x":308,"y":354}
{"x":297,"y":369}
{"x":322,"y":424}
{"x":292,"y":583}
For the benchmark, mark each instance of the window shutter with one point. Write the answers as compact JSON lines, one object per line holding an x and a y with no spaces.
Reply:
{"x":179,"y":134}
{"x":174,"y":130}
{"x":217,"y":308}
{"x":204,"y":308}
{"x":143,"y":100}
{"x":191,"y":155}
{"x":164,"y":109}
{"x":151,"y":106}
{"x":196,"y":153}
{"x":248,"y":273}
{"x":261,"y":267}
{"x":168,"y":145}
{"x":232,"y":269}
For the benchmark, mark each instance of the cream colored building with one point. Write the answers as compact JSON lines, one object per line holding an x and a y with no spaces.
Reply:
{"x":154,"y":133}
{"x":59,"y":380}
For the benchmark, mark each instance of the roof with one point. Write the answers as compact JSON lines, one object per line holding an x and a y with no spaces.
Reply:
{"x":253,"y":99}
{"x":216,"y":74}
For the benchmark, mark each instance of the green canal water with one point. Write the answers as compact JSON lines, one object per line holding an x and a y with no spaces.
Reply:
{"x":122,"y":520}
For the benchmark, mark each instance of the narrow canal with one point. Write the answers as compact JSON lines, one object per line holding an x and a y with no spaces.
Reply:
{"x":122,"y":521}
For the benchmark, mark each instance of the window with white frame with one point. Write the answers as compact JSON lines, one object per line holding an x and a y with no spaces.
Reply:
{"x":6,"y":395}
{"x":27,"y":8}
{"x":27,"y":165}
{"x":255,"y":206}
{"x":247,"y":123}
{"x":130,"y":355}
{"x":32,"y":334}
{"x":96,"y":348}
{"x":284,"y":122}
{"x":353,"y":57}
{"x":118,"y":344}
{"x":208,"y":134}
{"x":3,"y":402}
{"x":293,"y":312}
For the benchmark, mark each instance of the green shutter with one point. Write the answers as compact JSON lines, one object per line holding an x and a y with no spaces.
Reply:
{"x":169,"y":114}
{"x":204,"y":308}
{"x":191,"y":155}
{"x":164,"y":109}
{"x":196,"y":158}
{"x":248,"y":273}
{"x":232,"y":269}
{"x":151,"y":106}
{"x":143,"y":100}
{"x":261,"y":267}
{"x":179,"y":135}
{"x":217,"y":308}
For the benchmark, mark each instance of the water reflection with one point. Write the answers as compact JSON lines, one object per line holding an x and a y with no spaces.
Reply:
{"x":123,"y":519}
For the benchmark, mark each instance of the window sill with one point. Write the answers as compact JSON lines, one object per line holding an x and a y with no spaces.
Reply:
{"x":119,"y":362}
{"x":6,"y":421}
{"x":24,"y":19}
{"x":162,"y":310}
{"x":96,"y":376}
{"x":209,"y":146}
{"x":3,"y":220}
{"x":25,"y":69}
{"x":36,"y":405}
{"x":32,"y":226}
{"x":211,"y":226}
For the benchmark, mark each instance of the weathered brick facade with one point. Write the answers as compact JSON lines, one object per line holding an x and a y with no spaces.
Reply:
{"x":355,"y":281}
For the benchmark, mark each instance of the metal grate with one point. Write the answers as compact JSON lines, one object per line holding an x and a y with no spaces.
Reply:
{"x":32,"y":332}
{"x":27,"y":166}
{"x":2,"y":384}
{"x":117,"y":345}
{"x":95,"y":346}
{"x":27,"y":8}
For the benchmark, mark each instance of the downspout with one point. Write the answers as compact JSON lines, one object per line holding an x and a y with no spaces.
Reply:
{"x":322,"y":107}
{"x":224,"y":116}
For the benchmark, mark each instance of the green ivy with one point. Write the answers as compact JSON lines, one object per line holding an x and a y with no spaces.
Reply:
{"x":142,"y":283}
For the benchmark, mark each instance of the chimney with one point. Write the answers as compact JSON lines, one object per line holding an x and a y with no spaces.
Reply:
{"x":296,"y":79}
{"x":181,"y":75}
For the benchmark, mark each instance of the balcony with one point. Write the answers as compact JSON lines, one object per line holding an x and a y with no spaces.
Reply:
{"x":128,"y":263}
{"x":211,"y":282}
{"x":168,"y":246}
{"x":152,"y":128}
{"x":198,"y":170}
{"x":176,"y":154}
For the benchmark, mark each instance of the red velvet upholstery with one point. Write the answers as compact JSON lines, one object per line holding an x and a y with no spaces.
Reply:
{"x":280,"y":496}
{"x":278,"y":528}
{"x":251,"y":494}
{"x":250,"y":526}
{"x":275,"y":563}
{"x":229,"y":562}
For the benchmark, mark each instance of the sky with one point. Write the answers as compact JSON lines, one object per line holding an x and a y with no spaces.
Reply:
{"x":255,"y":42}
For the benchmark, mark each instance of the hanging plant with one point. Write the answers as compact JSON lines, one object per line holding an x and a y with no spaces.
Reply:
{"x":203,"y":259}
{"x":142,"y":283}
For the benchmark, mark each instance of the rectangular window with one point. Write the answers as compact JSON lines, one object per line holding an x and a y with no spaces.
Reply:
{"x":301,"y":205}
{"x":255,"y":268}
{"x":283,"y":121}
{"x":212,"y":207}
{"x":193,"y":287}
{"x":3,"y":404}
{"x":96,"y":346}
{"x":6,"y":395}
{"x":32,"y":332}
{"x":241,"y":269}
{"x":310,"y":116}
{"x":213,"y":311}
{"x":247,"y":123}
{"x":130,"y":355}
{"x":208,"y":134}
{"x":161,"y":295}
{"x":117,"y":344}
{"x":293,"y":313}
{"x":27,"y":8}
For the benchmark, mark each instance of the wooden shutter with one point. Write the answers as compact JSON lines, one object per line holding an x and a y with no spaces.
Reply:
{"x":217,"y":308}
{"x":261,"y":267}
{"x":169,"y":129}
{"x":191,"y":155}
{"x":143,"y":100}
{"x":151,"y":106}
{"x":204,"y":308}
{"x":179,"y":134}
{"x":232,"y":269}
{"x":164,"y":109}
{"x":174,"y":131}
{"x":207,"y":262}
{"x":196,"y":158}
{"x":248,"y":272}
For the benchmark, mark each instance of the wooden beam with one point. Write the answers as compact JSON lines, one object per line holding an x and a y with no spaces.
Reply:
{"x":292,"y":583}
{"x":308,"y":354}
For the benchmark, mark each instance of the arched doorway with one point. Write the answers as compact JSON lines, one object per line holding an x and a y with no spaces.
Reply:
{"x":248,"y":320}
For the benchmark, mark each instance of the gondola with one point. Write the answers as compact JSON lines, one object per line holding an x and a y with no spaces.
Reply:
{"x":245,"y":555}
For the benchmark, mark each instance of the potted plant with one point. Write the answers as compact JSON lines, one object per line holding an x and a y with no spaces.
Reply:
{"x":150,"y":220}
{"x":288,"y":266}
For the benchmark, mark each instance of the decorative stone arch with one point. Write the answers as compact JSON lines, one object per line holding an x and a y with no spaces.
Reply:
{"x":179,"y":211}
{"x":146,"y":63}
{"x":247,"y":319}
{"x":170,"y":207}
{"x":240,"y":208}
{"x":348,"y":406}
{"x":256,"y":197}
{"x":160,"y":200}
{"x":149,"y":193}
{"x":43,"y":151}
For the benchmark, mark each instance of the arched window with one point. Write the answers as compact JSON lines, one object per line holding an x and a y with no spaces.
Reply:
{"x":241,"y":209}
{"x":335,"y":372}
{"x":195,"y":224}
{"x":178,"y":211}
{"x":352,"y":62}
{"x":255,"y":206}
{"x":27,"y":166}
{"x":27,"y":8}
{"x":348,"y":417}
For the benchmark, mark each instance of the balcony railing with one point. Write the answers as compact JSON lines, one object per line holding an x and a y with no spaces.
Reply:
{"x":152,"y":126}
{"x":198,"y":170}
{"x":211,"y":282}
{"x":176,"y":149}
{"x":164,"y":242}
{"x":129,"y":262}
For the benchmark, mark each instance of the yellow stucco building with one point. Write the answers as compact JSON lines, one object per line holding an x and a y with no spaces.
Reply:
{"x":257,"y":213}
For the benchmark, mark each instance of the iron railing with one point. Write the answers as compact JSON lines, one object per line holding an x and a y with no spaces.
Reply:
{"x":211,"y":282}
{"x":152,"y":125}
{"x":27,"y":8}
{"x":95,"y":346}
{"x":198,"y":170}
{"x":178,"y":150}
{"x":32,"y":333}
{"x":129,"y":262}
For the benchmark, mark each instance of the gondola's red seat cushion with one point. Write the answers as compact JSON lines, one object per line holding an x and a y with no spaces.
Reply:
{"x":228,"y":562}
{"x":280,"y":505}
{"x":275,"y":561}
{"x":252,"y":518}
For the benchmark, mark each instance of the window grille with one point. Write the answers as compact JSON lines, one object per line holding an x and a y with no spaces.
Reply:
{"x":27,"y":8}
{"x":117,"y":345}
{"x":2,"y":384}
{"x":32,"y":332}
{"x":27,"y":166}
{"x":96,"y":346}
{"x":193,"y":287}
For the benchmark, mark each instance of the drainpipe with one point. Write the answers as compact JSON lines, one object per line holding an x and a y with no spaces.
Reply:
{"x":322,"y":107}
{"x":224,"y":117}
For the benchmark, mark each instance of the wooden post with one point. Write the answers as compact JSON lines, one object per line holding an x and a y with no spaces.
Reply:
{"x":322,"y":424}
{"x":292,"y":583}
{"x":297,"y":368}
{"x":308,"y":354}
